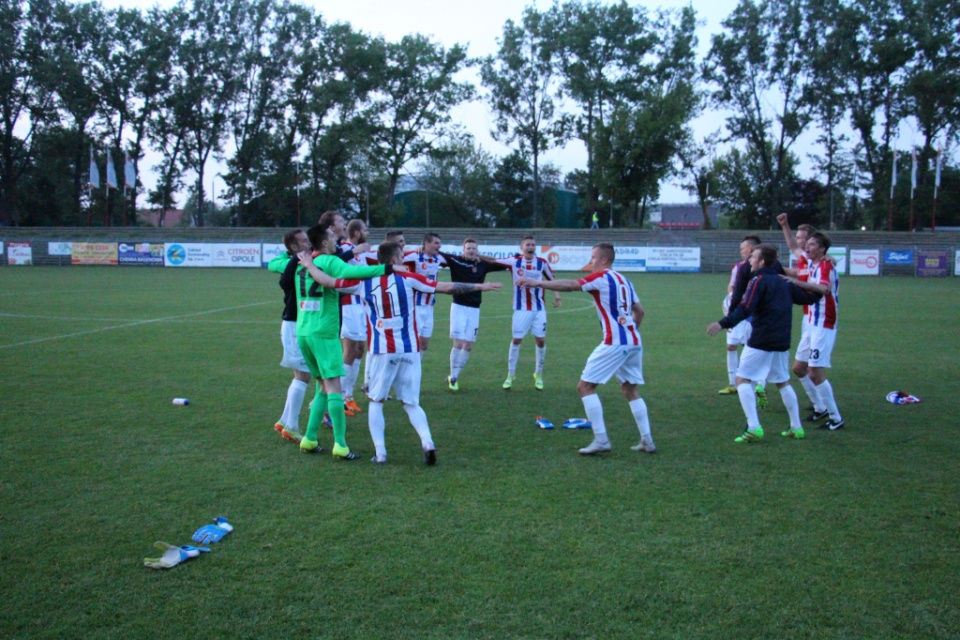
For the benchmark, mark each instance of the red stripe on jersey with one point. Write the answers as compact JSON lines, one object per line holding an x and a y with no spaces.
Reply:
{"x":607,"y":328}
{"x":387,"y":313}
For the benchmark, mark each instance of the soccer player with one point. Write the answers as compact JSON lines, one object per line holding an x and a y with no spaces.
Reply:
{"x":529,"y":308}
{"x":816,"y":342}
{"x":620,"y":353}
{"x":353,"y":319}
{"x":465,"y":309}
{"x":394,"y":342}
{"x":798,"y":246}
{"x":288,"y":425}
{"x":396,"y":236}
{"x":769,"y":300}
{"x":318,"y":333}
{"x":426,"y":261}
{"x":738,"y":335}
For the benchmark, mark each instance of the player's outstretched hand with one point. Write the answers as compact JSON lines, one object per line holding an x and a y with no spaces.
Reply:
{"x":525,"y":282}
{"x":713,"y":328}
{"x":557,"y":302}
{"x":305,"y":257}
{"x":363,"y":247}
{"x":172,"y":556}
{"x":212,"y":532}
{"x":782,"y":219}
{"x":491,"y":286}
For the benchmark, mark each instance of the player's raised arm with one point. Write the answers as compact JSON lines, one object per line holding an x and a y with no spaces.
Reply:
{"x":552,"y":285}
{"x":788,"y":236}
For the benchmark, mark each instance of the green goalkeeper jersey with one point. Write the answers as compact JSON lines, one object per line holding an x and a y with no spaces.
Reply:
{"x":318,"y":308}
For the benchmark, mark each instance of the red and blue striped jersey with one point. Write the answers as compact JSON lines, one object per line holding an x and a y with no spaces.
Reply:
{"x":824,"y":313}
{"x":528,"y":299}
{"x":427,"y":266}
{"x":614,"y":296}
{"x":391,"y":315}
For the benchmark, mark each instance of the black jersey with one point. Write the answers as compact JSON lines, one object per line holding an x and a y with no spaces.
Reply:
{"x":462,"y":270}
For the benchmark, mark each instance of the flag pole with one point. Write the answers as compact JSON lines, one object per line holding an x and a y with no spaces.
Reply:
{"x":893,"y":186}
{"x":936,"y":188}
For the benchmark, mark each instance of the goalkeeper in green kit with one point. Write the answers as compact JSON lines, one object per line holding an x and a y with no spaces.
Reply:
{"x":318,"y":334}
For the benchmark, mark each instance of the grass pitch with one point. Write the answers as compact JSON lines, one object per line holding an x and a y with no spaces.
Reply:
{"x":854,"y":534}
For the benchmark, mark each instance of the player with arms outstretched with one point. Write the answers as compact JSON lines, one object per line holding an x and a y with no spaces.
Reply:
{"x":529,"y":308}
{"x":426,"y":261}
{"x":621,"y":352}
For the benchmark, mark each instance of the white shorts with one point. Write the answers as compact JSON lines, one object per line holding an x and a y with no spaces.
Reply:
{"x":525,"y":322}
{"x":609,"y":359}
{"x":464,"y":322}
{"x":353,"y":325}
{"x":740,"y":333}
{"x":398,"y":370}
{"x":764,"y":366}
{"x":292,"y":357}
{"x":816,"y":346}
{"x":424,"y":321}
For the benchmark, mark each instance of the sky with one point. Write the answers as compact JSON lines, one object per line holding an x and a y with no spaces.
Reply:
{"x":478,"y":25}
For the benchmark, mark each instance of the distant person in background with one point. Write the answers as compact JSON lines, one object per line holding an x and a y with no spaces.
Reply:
{"x":287,"y":426}
{"x":596,"y":221}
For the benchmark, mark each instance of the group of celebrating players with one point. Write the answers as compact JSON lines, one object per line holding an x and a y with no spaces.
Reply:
{"x":758,"y":315}
{"x":341,"y":299}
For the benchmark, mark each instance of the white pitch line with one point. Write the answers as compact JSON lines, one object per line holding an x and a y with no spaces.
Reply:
{"x":131,"y":324}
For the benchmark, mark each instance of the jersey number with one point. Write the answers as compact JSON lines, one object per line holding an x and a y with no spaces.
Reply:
{"x":315,"y":291}
{"x":380,"y":302}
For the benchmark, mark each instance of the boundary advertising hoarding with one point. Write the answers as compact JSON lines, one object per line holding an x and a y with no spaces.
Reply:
{"x":186,"y":254}
{"x":145,"y":254}
{"x":93,"y":253}
{"x":59,"y":248}
{"x":931,"y":263}
{"x":19,"y":253}
{"x":235,"y":255}
{"x":864,"y":262}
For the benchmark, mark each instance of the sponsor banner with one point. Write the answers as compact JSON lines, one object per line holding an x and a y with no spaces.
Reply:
{"x":898,"y":257}
{"x":235,"y":255}
{"x":864,"y":262}
{"x":566,"y":258}
{"x":674,"y":259}
{"x":839,"y":255}
{"x":19,"y":253}
{"x":141,"y":253}
{"x":931,"y":263}
{"x":93,"y":253}
{"x":270,"y":251}
{"x":186,"y":254}
{"x":59,"y":248}
{"x":956,"y":263}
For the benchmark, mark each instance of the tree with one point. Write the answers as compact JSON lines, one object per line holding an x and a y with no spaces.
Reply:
{"x":601,"y":52}
{"x":760,"y":69}
{"x":414,"y":96}
{"x":205,"y":82}
{"x":742,"y":187}
{"x":520,"y":79}
{"x":25,"y":101}
{"x":461,"y":172}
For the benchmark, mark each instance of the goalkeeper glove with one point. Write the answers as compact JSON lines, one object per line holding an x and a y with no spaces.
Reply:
{"x":172,"y":556}
{"x":212,"y":532}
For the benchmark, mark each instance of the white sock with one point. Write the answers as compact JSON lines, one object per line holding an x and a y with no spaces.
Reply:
{"x":748,"y":400}
{"x":454,"y":363}
{"x":594,"y":410}
{"x":789,"y":397}
{"x":291,"y":410}
{"x":350,"y":379}
{"x":733,"y":362}
{"x":512,"y":359}
{"x":462,"y":361}
{"x":639,"y":409}
{"x":826,"y":395}
{"x":418,"y":418}
{"x":541,"y":354}
{"x":812,"y":393}
{"x":377,"y":427}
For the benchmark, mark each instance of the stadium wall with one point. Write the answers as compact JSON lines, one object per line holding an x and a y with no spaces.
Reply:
{"x":896,"y":253}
